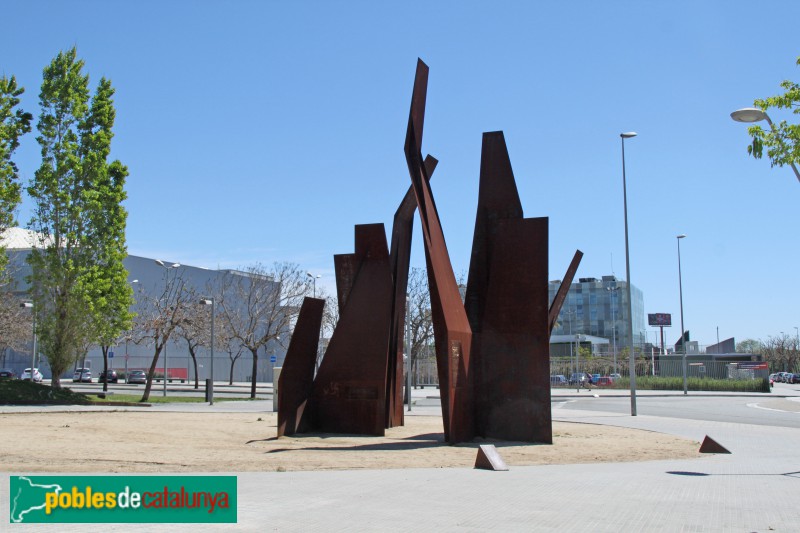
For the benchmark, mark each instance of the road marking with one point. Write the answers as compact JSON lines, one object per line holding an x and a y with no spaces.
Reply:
{"x":756,"y":406}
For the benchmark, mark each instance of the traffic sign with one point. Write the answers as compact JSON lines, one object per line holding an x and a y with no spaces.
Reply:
{"x":273,"y":358}
{"x":110,"y":354}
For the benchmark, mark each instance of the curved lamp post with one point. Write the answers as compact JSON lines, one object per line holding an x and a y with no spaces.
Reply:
{"x":751,"y":114}
{"x":683,"y":330}
{"x":29,"y":305}
{"x":314,"y":279}
{"x":632,"y":370}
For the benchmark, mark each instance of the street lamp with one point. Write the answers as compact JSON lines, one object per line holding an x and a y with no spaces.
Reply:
{"x":613,"y":292}
{"x":128,"y":338}
{"x":632,"y":370}
{"x":683,"y":330}
{"x":752,"y":114}
{"x":797,"y":335}
{"x":29,"y":305}
{"x":167,"y":267}
{"x":210,"y":391}
{"x":314,"y":279}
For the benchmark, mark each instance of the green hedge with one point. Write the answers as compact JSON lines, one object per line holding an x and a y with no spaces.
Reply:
{"x":696,"y":384}
{"x":19,"y":392}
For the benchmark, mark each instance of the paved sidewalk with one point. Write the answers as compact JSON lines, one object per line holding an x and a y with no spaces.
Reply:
{"x":756,"y":488}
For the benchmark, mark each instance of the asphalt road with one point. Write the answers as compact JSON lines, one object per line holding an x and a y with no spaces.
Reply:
{"x":766,"y":411}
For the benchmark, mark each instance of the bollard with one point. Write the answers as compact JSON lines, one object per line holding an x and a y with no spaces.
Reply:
{"x":209,"y":391}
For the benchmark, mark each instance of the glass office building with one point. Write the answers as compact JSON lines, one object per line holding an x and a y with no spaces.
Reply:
{"x":599,"y":307}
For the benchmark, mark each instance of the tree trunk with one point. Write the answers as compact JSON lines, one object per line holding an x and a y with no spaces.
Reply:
{"x":149,"y":384}
{"x":230,"y":378}
{"x":194,"y":362}
{"x":255,"y":372}
{"x":104,"y":349}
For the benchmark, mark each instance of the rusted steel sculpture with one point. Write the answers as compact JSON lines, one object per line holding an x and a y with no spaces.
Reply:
{"x":399,"y":259}
{"x":345,"y":268}
{"x":507,"y":304}
{"x":350,"y":387}
{"x":452,"y":333}
{"x":296,"y":382}
{"x":563,"y":290}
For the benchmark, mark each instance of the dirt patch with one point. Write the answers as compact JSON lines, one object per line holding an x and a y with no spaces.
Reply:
{"x":130,"y":442}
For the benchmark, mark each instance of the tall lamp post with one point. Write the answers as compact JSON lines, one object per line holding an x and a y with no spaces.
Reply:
{"x":210,"y":301}
{"x":752,"y":114}
{"x":128,"y":338}
{"x":29,"y":305}
{"x":613,"y":292}
{"x":314,"y":279}
{"x":167,"y":267}
{"x":632,"y":370}
{"x":683,"y":330}
{"x":797,"y":335}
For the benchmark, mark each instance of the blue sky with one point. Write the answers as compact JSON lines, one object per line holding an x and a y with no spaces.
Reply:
{"x":263,"y":131}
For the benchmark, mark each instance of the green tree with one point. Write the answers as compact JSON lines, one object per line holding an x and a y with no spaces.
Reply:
{"x":111,"y":296}
{"x":749,"y":346}
{"x":782,"y":140}
{"x":78,"y":282}
{"x":14,"y":123}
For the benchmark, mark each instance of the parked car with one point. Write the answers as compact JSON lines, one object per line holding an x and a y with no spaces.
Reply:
{"x":83,"y":375}
{"x":7,"y":373}
{"x":614,"y":376}
{"x":795,"y":378}
{"x":136,"y":376}
{"x":605,"y":381}
{"x":112,"y":376}
{"x":37,"y":376}
{"x":783,"y":377}
{"x":581,"y":379}
{"x":558,"y":381}
{"x":595,"y":378}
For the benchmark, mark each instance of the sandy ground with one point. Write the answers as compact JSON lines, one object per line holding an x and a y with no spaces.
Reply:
{"x":130,"y":442}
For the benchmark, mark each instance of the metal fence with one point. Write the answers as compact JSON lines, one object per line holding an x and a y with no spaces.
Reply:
{"x":425,"y":374}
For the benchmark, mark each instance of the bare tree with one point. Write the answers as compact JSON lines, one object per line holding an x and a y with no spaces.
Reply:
{"x":194,"y":328}
{"x":157,"y":318}
{"x":418,"y":317}
{"x":232,"y":347}
{"x":16,"y":323}
{"x":259,"y":303}
{"x":781,"y":352}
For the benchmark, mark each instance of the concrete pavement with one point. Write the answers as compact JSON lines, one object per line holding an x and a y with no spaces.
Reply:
{"x":756,"y":488}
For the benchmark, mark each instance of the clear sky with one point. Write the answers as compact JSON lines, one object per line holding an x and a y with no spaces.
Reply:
{"x":262,"y":131}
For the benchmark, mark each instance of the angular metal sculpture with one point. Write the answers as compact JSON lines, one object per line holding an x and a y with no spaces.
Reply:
{"x":350,"y":388}
{"x":489,"y":458}
{"x":709,"y":445}
{"x":399,"y":259}
{"x":452,"y":333}
{"x":507,"y":305}
{"x":563,"y":290}
{"x":345,"y":268}
{"x":296,"y":382}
